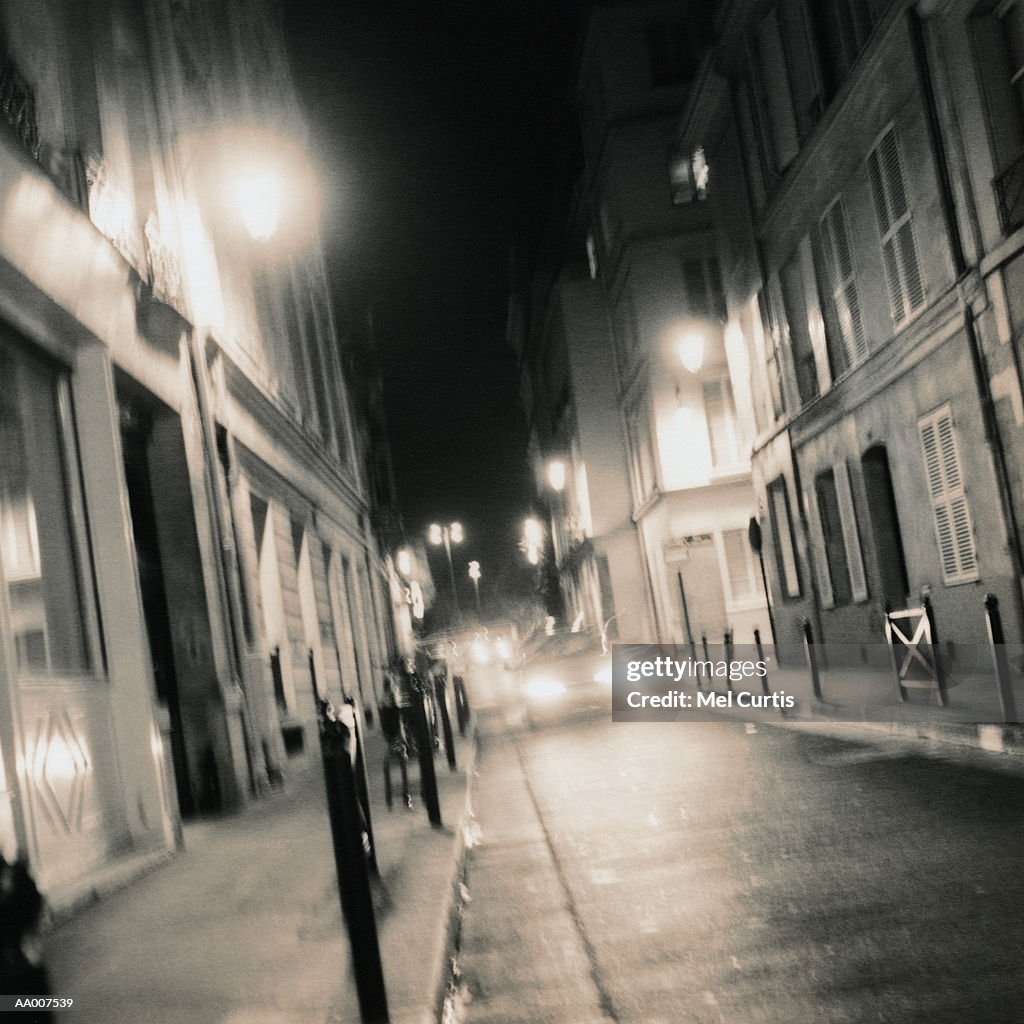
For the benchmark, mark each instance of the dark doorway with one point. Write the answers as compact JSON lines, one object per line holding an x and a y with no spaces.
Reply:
{"x":885,"y":526}
{"x":136,"y":432}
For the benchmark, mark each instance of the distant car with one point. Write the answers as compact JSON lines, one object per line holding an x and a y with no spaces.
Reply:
{"x":564,"y":676}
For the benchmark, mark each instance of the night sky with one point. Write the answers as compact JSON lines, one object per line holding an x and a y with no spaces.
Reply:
{"x":437,"y":129}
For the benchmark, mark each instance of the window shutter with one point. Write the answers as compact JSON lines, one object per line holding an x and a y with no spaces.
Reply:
{"x":895,"y":226}
{"x":851,"y":539}
{"x":954,"y":531}
{"x":817,"y":539}
{"x":835,"y":244}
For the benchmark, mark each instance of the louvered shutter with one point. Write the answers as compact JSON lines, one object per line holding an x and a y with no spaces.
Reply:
{"x":817,"y":538}
{"x":954,"y":530}
{"x":835,"y":244}
{"x":895,"y":226}
{"x":851,"y":538}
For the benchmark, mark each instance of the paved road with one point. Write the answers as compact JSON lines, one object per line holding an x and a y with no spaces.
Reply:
{"x":668,"y":873}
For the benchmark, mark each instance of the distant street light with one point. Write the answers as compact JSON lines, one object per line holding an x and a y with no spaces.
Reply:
{"x":474,"y":575}
{"x":533,"y":540}
{"x":448,"y":535}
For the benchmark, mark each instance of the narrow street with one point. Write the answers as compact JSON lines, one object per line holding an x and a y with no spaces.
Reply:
{"x":663,"y":873}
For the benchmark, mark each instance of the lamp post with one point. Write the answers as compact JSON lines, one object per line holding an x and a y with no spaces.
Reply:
{"x":448,"y":535}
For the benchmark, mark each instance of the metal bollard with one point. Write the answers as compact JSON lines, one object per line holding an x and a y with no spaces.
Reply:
{"x":812,"y":657}
{"x":461,"y":703}
{"x":727,"y":644}
{"x":350,"y":861}
{"x":940,"y":671}
{"x":1004,"y":683}
{"x":441,"y":698}
{"x":760,"y":658}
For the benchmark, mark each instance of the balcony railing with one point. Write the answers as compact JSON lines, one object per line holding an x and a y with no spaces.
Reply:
{"x":1009,"y":188}
{"x":18,"y":106}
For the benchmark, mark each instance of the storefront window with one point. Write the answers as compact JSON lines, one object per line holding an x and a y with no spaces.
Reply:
{"x":39,"y":562}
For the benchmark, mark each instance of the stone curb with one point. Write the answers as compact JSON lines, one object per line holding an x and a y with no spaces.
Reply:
{"x":448,"y":919}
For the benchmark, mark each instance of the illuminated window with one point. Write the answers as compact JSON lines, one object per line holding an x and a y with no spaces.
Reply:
{"x":688,"y":177}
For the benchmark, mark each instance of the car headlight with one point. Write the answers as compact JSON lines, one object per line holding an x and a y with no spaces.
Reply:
{"x":603,"y":675}
{"x":544,"y":688}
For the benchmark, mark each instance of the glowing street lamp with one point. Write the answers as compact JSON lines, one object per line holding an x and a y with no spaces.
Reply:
{"x":556,"y":475}
{"x":448,"y":535}
{"x":474,"y":575}
{"x":258,"y":196}
{"x":691,"y":351}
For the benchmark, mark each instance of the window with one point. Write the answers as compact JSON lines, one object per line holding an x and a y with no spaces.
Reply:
{"x":835,"y":540}
{"x":674,"y":52}
{"x":772,"y":355}
{"x":776,"y":98}
{"x":892,"y":208}
{"x":702,"y":285}
{"x":723,"y":429}
{"x":782,"y":535}
{"x":843,"y":314}
{"x":638,"y":427}
{"x":885,"y":526}
{"x":842,"y":28}
{"x":999,"y":43}
{"x":954,"y":531}
{"x":805,"y":85}
{"x":42,"y":540}
{"x":795,"y":303}
{"x":741,"y":572}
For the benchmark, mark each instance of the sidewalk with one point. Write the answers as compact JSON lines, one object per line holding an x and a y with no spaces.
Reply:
{"x":244,"y":926}
{"x":865,"y":698}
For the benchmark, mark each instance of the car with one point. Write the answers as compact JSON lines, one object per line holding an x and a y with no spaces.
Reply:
{"x":565,"y":675}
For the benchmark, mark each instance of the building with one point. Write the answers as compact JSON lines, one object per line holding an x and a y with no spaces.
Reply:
{"x":865,"y":168}
{"x":675,"y":376}
{"x":187,"y":550}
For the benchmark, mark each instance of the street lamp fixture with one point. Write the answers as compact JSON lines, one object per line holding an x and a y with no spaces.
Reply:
{"x":691,"y":351}
{"x":258,"y":195}
{"x":556,"y":475}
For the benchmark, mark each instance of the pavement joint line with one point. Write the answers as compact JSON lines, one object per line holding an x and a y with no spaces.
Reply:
{"x":604,"y":997}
